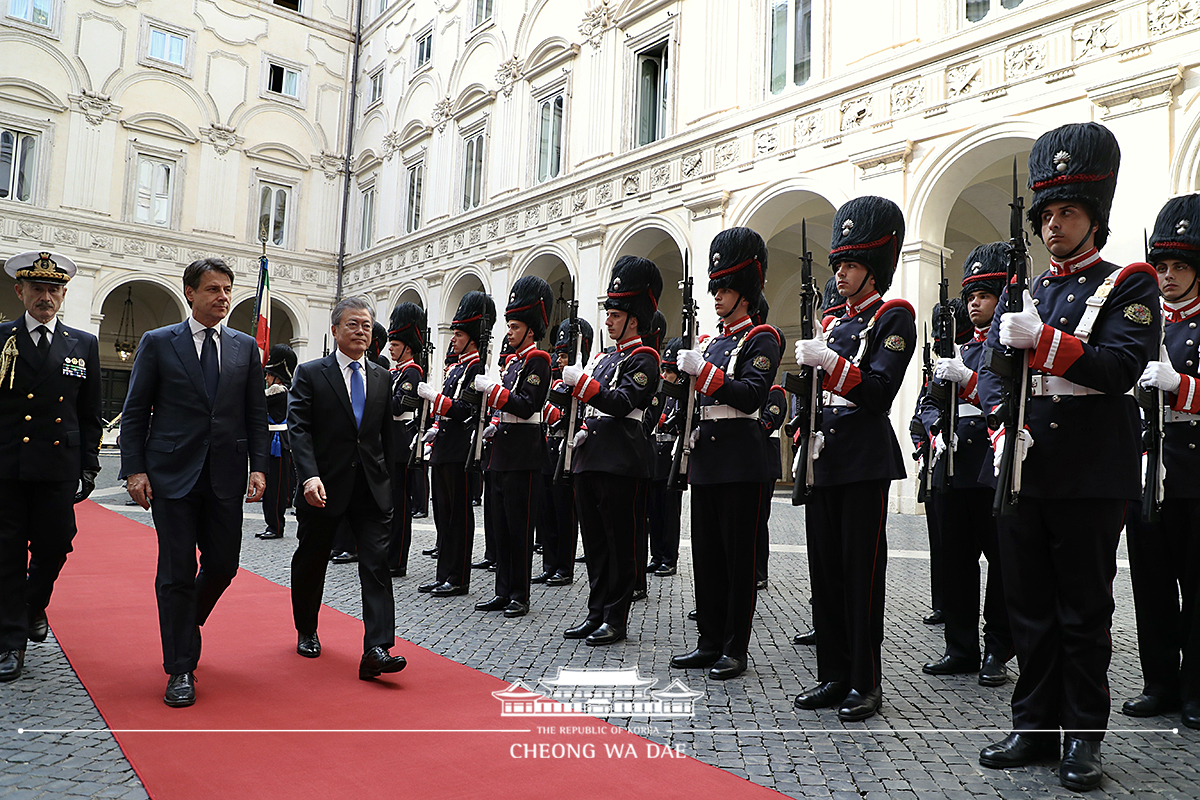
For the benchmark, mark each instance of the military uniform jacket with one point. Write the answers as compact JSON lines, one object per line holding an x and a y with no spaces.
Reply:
{"x":1085,"y":446}
{"x":739,"y":370}
{"x":860,"y":444}
{"x":453,"y":442}
{"x":277,"y":403}
{"x":50,"y":423}
{"x":666,"y":432}
{"x":405,"y":419}
{"x":1181,"y":440}
{"x":773,"y":414}
{"x":973,"y":456}
{"x":521,"y":394}
{"x":617,"y":384}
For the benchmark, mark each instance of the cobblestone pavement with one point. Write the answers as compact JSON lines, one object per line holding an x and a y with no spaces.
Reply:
{"x":925,"y":741}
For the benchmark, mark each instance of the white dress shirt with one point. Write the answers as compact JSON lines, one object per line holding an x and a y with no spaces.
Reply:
{"x":31,"y":324}
{"x":198,"y":338}
{"x":344,"y":362}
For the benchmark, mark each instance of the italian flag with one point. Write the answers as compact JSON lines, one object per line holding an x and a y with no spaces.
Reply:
{"x":262,"y":310}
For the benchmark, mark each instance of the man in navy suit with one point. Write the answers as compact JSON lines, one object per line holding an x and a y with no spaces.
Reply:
{"x":194,"y":415}
{"x":340,"y":421}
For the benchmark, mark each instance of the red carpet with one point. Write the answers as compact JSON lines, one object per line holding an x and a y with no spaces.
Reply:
{"x":269,"y":723}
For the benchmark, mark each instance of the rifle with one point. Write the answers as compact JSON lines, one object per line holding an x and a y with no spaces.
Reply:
{"x":1154,"y":409}
{"x":916,"y":428}
{"x":1011,"y":366}
{"x":566,"y":453}
{"x":416,"y":453}
{"x":806,"y":387}
{"x":480,"y":419}
{"x":945,"y":394}
{"x":685,"y":390}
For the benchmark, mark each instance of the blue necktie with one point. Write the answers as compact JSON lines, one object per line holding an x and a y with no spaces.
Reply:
{"x":208,"y":364}
{"x":358,"y":393}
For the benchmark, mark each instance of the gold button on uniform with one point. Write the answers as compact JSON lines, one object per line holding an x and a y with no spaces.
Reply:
{"x":27,"y":418}
{"x":25,"y":440}
{"x":56,"y":444}
{"x":30,"y":395}
{"x":59,"y":420}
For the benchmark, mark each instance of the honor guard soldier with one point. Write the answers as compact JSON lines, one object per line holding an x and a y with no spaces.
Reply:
{"x":773,"y":415}
{"x":864,"y":355}
{"x":665,"y":505}
{"x":518,"y":446}
{"x":729,"y":467}
{"x":611,"y":450}
{"x":281,"y":477}
{"x":1164,"y":556}
{"x":451,"y":442}
{"x":963,"y":499}
{"x":406,"y":342}
{"x":1088,"y":329}
{"x":50,"y":430}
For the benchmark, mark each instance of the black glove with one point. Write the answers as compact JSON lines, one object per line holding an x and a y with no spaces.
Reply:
{"x":87,"y":482}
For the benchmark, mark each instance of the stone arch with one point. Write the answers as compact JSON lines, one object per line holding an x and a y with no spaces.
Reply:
{"x":485,"y":39}
{"x":208,"y":111}
{"x":316,"y":137}
{"x":425,"y":83}
{"x":108,"y":284}
{"x":555,"y":264}
{"x":662,"y":239}
{"x":1185,"y":168}
{"x":285,"y":321}
{"x":9,"y":40}
{"x":409,"y":292}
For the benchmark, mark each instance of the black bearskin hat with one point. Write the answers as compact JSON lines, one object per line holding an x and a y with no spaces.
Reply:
{"x":281,"y":362}
{"x":1075,"y":162}
{"x":670,"y":356}
{"x":658,"y":331}
{"x":758,"y":314}
{"x":868,"y":230}
{"x":635,"y":287}
{"x":471,"y":314}
{"x":562,"y":340}
{"x":986,"y":269}
{"x":531,"y":301}
{"x":737,"y":260}
{"x":379,"y":337}
{"x":1177,"y":232}
{"x":830,"y":296}
{"x":407,"y":326}
{"x":963,"y":329}
{"x":451,"y":358}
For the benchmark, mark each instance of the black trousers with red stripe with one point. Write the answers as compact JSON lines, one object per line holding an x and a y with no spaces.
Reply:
{"x":847,"y":561}
{"x":401,"y":539}
{"x":281,"y":486}
{"x":725,"y":522}
{"x":513,"y":499}
{"x":455,"y":521}
{"x":607,"y":509}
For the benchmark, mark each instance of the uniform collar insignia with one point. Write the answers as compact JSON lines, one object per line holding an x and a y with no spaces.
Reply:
{"x":1073,"y":265}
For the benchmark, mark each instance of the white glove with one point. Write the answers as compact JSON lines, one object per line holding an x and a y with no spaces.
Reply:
{"x":428,"y":451}
{"x":429,"y":436}
{"x":695,"y":438}
{"x":1159,"y":375}
{"x":939,"y":446}
{"x":426,"y":392}
{"x":572,"y":374}
{"x":1021,"y":329}
{"x":490,"y":430}
{"x":580,"y":436}
{"x":484,"y":384}
{"x":952,"y":370}
{"x":815,"y":353}
{"x":690,"y":361}
{"x":1023,"y":445}
{"x":818,"y":445}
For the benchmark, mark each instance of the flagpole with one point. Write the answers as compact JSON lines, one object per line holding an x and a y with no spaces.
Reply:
{"x":262,"y":301}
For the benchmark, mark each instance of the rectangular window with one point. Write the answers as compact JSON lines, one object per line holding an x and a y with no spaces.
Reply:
{"x":977,"y":10}
{"x":283,"y":81}
{"x":424,"y":48}
{"x":483,"y":11}
{"x":375,"y":90}
{"x":550,"y":124}
{"x":412,"y":199}
{"x":272,"y":213}
{"x":291,"y":5}
{"x":790,"y":44}
{"x":152,"y":204}
{"x":383,"y":4}
{"x":652,"y":86}
{"x":473,"y":172}
{"x":367,"y":232}
{"x":18,"y":154}
{"x":36,"y":12}
{"x":167,"y":46}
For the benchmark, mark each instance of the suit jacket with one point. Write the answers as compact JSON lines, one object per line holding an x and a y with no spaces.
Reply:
{"x":169,"y":426}
{"x":50,"y":424}
{"x":328,"y":445}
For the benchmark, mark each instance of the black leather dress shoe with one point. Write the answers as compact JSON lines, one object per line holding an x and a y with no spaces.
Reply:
{"x":666,"y":570}
{"x":760,"y":585}
{"x":860,"y":705}
{"x":697,"y":659}
{"x":580,"y":560}
{"x":558,"y":579}
{"x":537,"y":548}
{"x":1191,"y":714}
{"x":727,"y":667}
{"x":398,"y":572}
{"x":11,"y":663}
{"x":448,"y":590}
{"x":308,"y":645}
{"x":181,"y":690}
{"x":693,"y":615}
{"x":936,"y":618}
{"x":829,"y":694}
{"x":377,"y":661}
{"x":1144,"y":705}
{"x":495,"y":604}
{"x":491,"y":567}
{"x":652,"y":567}
{"x":425,"y":588}
{"x":1019,"y":749}
{"x":268,"y":535}
{"x":39,"y":628}
{"x":605,"y":634}
{"x":516,"y":609}
{"x":809,"y":638}
{"x":542,"y":578}
{"x":1080,"y":768}
{"x":345,"y":558}
{"x":993,"y":672}
{"x":639,"y":594}
{"x":582,"y":630}
{"x":951,"y":665}
{"x":432,"y":551}
{"x":418,"y":514}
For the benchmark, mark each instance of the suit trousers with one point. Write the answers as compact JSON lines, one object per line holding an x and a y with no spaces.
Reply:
{"x":198,"y":520}
{"x":607,"y":511}
{"x":402,"y":520}
{"x":969,"y":529}
{"x":1060,"y":559}
{"x":562,"y":534}
{"x":455,"y":521}
{"x":37,"y":526}
{"x":514,"y":500}
{"x":280,"y":489}
{"x":418,"y":489}
{"x":1164,"y":563}
{"x":845,"y":526}
{"x":665,"y":510}
{"x":725,"y":522}
{"x":371,"y":528}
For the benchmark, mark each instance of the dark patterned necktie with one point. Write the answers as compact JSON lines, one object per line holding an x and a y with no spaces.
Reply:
{"x":208,"y":363}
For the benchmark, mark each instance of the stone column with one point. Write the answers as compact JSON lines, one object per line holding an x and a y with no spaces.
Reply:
{"x":591,"y":286}
{"x":707,"y":212}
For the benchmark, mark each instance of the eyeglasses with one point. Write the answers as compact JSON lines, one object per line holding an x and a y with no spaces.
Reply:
{"x":354,"y":325}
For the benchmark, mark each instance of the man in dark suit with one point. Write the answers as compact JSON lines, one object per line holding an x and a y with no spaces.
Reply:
{"x":49,"y":444}
{"x":340,"y":419}
{"x":194,"y":415}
